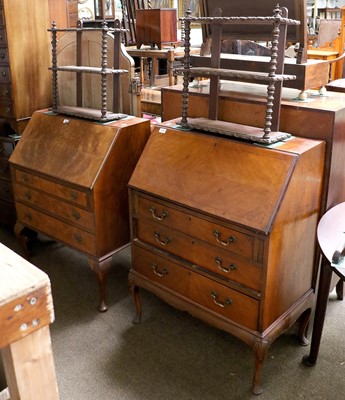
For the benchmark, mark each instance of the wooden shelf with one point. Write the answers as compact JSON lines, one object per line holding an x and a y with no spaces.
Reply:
{"x":274,"y":76}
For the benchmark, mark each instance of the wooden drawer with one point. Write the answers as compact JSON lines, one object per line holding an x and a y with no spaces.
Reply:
{"x":5,"y":91}
{"x":160,"y":270}
{"x":213,"y":233}
{"x":233,"y":305}
{"x":6,"y":109}
{"x":210,"y":258}
{"x":72,"y":195}
{"x":3,"y":36}
{"x":4,"y":55}
{"x":73,"y":215}
{"x":6,"y":190}
{"x":2,"y":15}
{"x":56,"y":229}
{"x":5,"y":75}
{"x":227,"y":265}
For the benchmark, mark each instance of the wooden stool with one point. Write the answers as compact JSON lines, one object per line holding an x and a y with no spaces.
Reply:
{"x":331,"y":238}
{"x":26,"y":310}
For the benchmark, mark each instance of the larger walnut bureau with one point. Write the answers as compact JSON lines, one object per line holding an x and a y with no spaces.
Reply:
{"x":70,"y":180}
{"x":226,"y":231}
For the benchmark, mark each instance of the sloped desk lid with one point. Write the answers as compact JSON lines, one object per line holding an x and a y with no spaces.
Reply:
{"x":239,"y":182}
{"x":66,"y":148}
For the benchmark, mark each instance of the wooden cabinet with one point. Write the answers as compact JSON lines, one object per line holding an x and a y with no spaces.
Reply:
{"x":70,"y":182}
{"x":25,"y":81}
{"x":156,"y":26}
{"x":64,"y":13}
{"x":225,"y":230}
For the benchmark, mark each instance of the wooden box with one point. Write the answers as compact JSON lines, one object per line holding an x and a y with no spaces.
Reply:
{"x":156,"y":26}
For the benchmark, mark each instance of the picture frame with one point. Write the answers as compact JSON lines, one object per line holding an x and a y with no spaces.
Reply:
{"x":104,"y":9}
{"x":195,"y":7}
{"x":162,"y":3}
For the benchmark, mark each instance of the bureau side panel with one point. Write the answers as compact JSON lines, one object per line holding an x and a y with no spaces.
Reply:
{"x":111,"y":194}
{"x":292,"y":247}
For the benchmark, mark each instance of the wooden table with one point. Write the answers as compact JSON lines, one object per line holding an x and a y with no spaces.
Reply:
{"x":26,"y":310}
{"x":167,"y":53}
{"x":320,"y":54}
{"x":330,"y":233}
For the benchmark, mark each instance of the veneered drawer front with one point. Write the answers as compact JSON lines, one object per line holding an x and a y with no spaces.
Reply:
{"x":3,"y":55}
{"x":167,"y":239}
{"x":226,"y":264}
{"x":2,"y":16}
{"x":71,"y":214}
{"x":233,"y":305}
{"x":5,"y":76}
{"x":3,"y":34}
{"x":211,"y":258}
{"x":56,"y":229}
{"x":70,"y":194}
{"x":213,"y":233}
{"x":5,"y":90}
{"x":6,"y":109}
{"x":160,"y":270}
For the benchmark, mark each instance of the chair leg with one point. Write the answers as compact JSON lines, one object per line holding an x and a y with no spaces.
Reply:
{"x":340,"y":289}
{"x":320,"y":312}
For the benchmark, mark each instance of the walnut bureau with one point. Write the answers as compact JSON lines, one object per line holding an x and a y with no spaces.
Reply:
{"x":225,"y":231}
{"x":70,"y":180}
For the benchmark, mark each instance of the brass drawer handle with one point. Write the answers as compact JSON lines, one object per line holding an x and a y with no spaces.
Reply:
{"x":27,"y":195}
{"x":73,"y":194}
{"x":28,"y":216}
{"x":75,"y":214}
{"x":159,"y":273}
{"x":78,"y":238}
{"x":224,"y":304}
{"x":231,"y":267}
{"x":2,"y":55}
{"x":156,"y":216}
{"x":230,"y":240}
{"x":164,"y":242}
{"x":3,"y":73}
{"x":25,"y":178}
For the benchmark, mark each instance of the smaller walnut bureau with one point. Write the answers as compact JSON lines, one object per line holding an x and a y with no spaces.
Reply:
{"x":225,"y":230}
{"x":70,"y":180}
